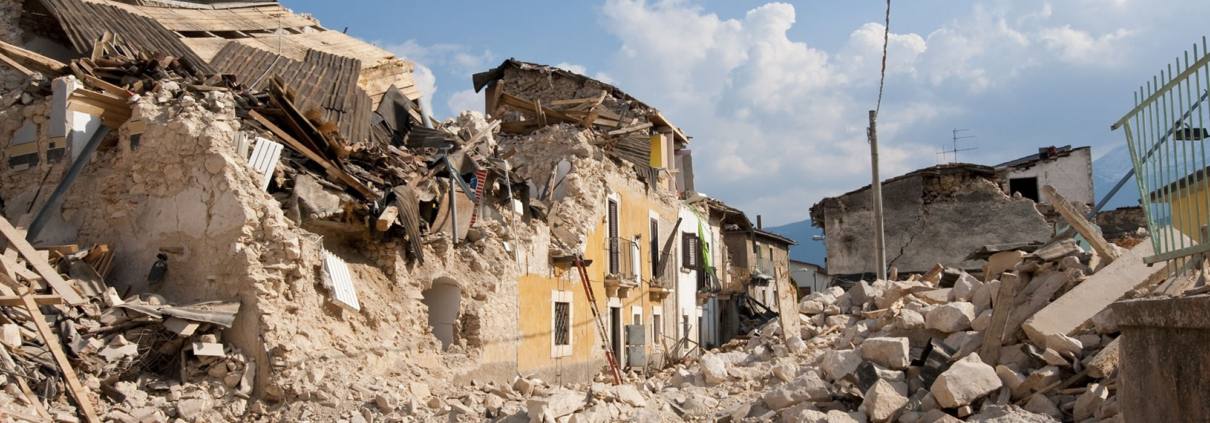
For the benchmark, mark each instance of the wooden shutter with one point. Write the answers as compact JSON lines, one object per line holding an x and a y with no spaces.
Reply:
{"x":614,"y":256}
{"x":655,"y":248}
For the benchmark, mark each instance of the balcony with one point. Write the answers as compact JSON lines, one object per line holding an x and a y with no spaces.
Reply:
{"x":622,"y":266}
{"x":765,"y":267}
{"x":664,"y":278}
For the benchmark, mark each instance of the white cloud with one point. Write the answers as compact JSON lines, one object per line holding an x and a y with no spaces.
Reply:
{"x":572,"y":68}
{"x":1079,"y":47}
{"x":465,"y":100}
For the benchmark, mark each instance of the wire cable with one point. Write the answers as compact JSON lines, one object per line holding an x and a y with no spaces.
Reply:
{"x":886,"y":36}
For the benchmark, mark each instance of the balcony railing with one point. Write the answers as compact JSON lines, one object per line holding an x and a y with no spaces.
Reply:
{"x":764,"y":266}
{"x":622,"y":260}
{"x":707,"y":280}
{"x":665,"y":271}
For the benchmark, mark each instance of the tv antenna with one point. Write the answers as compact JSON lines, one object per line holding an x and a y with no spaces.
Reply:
{"x":955,"y":148}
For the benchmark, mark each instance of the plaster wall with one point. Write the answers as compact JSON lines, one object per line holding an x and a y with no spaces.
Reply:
{"x":1071,"y":175}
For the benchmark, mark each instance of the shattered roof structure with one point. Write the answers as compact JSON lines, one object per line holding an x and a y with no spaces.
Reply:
{"x":484,"y":79}
{"x":1029,"y":160}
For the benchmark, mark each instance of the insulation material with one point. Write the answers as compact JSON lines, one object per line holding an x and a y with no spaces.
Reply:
{"x":338,"y":279}
{"x":264,"y":159}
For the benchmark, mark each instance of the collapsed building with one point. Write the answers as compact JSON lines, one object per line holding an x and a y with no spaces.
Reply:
{"x":315,"y":241}
{"x":933,"y":215}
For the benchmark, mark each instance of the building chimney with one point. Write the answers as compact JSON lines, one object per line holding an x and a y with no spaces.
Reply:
{"x":758,"y":224}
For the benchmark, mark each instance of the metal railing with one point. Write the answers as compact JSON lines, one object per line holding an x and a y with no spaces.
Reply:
{"x":707,"y":280}
{"x":764,"y":266}
{"x":1166,"y":132}
{"x":665,"y":271}
{"x":622,"y":258}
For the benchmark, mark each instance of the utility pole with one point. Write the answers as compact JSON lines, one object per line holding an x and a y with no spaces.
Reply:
{"x":876,"y":190}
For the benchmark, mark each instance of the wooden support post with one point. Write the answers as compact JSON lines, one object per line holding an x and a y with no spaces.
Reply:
{"x":1081,"y":225}
{"x":1002,"y":307}
{"x":43,"y":268}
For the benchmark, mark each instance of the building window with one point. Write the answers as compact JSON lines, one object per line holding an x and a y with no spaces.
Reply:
{"x":657,"y":329}
{"x":561,"y":313}
{"x":562,"y":323}
{"x":614,"y":253}
{"x":1028,"y":187}
{"x":690,"y":251}
{"x":655,"y":248}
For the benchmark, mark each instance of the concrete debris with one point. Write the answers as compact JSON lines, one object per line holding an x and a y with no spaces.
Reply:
{"x":966,"y":380}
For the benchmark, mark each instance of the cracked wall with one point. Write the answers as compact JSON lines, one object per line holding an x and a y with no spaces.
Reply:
{"x":928,"y":219}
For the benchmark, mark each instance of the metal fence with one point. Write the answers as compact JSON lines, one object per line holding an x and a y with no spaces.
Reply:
{"x":624,"y":257}
{"x":764,"y":266}
{"x":1166,"y":133}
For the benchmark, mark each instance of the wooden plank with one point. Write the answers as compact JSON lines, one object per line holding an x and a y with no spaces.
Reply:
{"x":387,"y":218}
{"x":16,"y":65}
{"x":84,"y":405}
{"x":39,"y":60}
{"x":1035,"y":297}
{"x":1002,"y":307}
{"x":628,"y":130}
{"x":108,"y":88}
{"x":62,"y":287}
{"x":787,"y":307}
{"x":17,"y":301}
{"x":1077,"y":221}
{"x":297,"y":146}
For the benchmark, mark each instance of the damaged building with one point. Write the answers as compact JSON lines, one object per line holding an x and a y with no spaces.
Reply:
{"x":263,"y":204}
{"x":933,"y":215}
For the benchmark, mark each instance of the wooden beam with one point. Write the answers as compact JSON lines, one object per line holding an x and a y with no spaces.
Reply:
{"x":1077,"y":221}
{"x":311,"y":154}
{"x":387,"y":218}
{"x":29,"y":394}
{"x":1002,"y":307}
{"x":84,"y":405}
{"x":62,"y":287}
{"x":35,"y":58}
{"x":628,"y":130}
{"x":108,"y":88}
{"x":16,"y":65}
{"x":17,"y":301}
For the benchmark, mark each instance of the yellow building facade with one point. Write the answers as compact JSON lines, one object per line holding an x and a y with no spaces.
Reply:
{"x":623,"y":291}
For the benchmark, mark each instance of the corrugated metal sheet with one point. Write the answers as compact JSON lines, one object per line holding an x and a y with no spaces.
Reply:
{"x":343,"y":292}
{"x":86,"y":22}
{"x":324,"y":81}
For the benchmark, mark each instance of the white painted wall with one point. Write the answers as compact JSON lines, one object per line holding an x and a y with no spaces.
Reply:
{"x":686,"y":287}
{"x":1071,"y":175}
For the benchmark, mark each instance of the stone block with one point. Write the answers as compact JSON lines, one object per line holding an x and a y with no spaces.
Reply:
{"x":965,"y":381}
{"x":891,"y":353}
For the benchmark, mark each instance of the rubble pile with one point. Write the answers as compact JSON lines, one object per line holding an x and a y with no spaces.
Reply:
{"x":923,"y":349}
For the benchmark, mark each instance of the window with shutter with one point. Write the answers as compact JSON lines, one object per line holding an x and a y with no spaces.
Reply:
{"x":690,"y":250}
{"x":655,"y":248}
{"x":614,"y":254}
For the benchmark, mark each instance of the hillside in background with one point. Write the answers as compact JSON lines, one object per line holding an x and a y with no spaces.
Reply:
{"x":807,"y":250}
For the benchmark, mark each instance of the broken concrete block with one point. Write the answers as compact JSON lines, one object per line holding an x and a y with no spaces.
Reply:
{"x":1000,"y":262}
{"x":522,"y":385}
{"x":891,"y":353}
{"x":629,"y":395}
{"x":208,"y":349}
{"x":561,"y":403}
{"x":811,"y":307}
{"x":860,"y":293}
{"x":1093,"y":295}
{"x":1105,"y":362}
{"x":910,"y":319}
{"x":795,"y":344}
{"x":181,"y":327}
{"x":965,"y":381}
{"x":111,"y":297}
{"x":1038,"y":379}
{"x":883,"y":402}
{"x":10,"y":335}
{"x":1104,"y":322}
{"x":1090,"y":342}
{"x":1053,"y":358}
{"x":935,"y":296}
{"x":837,"y":364}
{"x":1090,"y":402}
{"x":1009,"y":377}
{"x":808,"y":387}
{"x":950,"y":317}
{"x":983,"y":321}
{"x":938,"y":416}
{"x":982,"y":298}
{"x":1040,"y":404}
{"x":713,"y":368}
{"x":964,"y":288}
{"x":1064,"y":344}
{"x":785,"y":371}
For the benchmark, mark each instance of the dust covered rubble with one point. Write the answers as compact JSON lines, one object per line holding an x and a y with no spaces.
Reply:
{"x":886,"y":351}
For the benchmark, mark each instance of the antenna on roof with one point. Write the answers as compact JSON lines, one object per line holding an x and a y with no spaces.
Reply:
{"x":955,"y":148}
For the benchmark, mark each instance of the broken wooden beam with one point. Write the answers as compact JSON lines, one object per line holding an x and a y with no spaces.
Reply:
{"x":17,"y":301}
{"x":628,"y":130}
{"x":1081,"y":225}
{"x":1002,"y":307}
{"x":13,"y":63}
{"x":387,"y":218}
{"x":52,"y":342}
{"x":33,"y":59}
{"x":18,"y":242}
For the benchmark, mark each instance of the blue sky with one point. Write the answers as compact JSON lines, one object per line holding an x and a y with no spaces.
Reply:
{"x":775,"y":95}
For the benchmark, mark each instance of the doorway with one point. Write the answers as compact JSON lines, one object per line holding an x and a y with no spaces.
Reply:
{"x":615,"y":332}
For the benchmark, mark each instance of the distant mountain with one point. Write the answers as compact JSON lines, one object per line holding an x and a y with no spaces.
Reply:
{"x":807,"y":250}
{"x":1108,"y":170}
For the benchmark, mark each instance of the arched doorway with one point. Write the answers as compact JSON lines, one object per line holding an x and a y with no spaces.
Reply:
{"x":443,"y":300}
